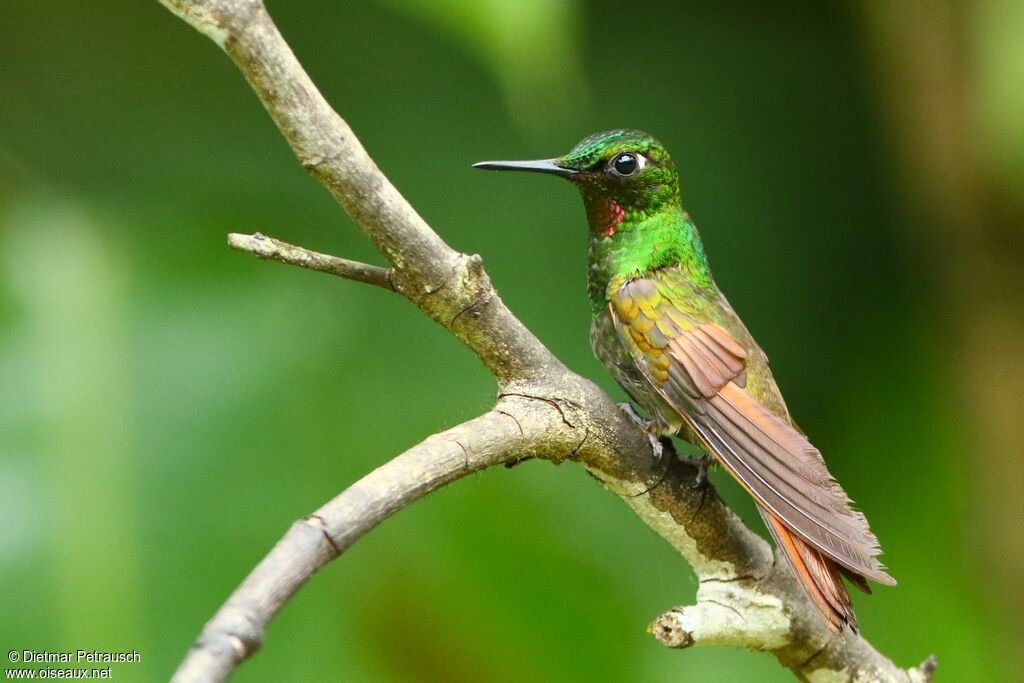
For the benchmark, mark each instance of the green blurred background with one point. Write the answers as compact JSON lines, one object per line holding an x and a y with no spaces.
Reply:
{"x":168,"y":407}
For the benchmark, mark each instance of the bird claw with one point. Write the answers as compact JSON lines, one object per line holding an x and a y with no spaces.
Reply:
{"x":634,"y":416}
{"x":700,"y":481}
{"x":656,"y":446}
{"x":651,"y":427}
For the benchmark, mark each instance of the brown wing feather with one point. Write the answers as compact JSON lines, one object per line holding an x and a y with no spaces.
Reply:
{"x":788,"y":476}
{"x":699,"y":369}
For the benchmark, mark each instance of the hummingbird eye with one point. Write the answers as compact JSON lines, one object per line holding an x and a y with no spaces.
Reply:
{"x":626,"y":164}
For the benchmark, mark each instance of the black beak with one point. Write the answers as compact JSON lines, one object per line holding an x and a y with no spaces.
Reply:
{"x":538,"y":166}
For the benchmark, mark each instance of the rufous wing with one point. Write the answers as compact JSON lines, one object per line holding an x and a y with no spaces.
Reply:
{"x":699,"y":369}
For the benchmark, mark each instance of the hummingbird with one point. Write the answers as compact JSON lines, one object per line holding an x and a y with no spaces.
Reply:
{"x":672,"y":341}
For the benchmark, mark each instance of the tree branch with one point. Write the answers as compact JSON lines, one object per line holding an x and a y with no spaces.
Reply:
{"x":544,"y":410}
{"x":236,"y":630}
{"x":268,"y":248}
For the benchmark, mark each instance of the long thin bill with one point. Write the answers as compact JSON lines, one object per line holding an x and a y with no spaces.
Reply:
{"x":536,"y":166}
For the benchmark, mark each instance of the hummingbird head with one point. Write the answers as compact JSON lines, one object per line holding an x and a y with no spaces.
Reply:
{"x":625,"y":177}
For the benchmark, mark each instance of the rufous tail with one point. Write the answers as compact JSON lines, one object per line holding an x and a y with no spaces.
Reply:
{"x":819,"y":576}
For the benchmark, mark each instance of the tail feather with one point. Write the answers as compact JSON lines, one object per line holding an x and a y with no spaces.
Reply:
{"x":856,"y":579}
{"x":819,"y":576}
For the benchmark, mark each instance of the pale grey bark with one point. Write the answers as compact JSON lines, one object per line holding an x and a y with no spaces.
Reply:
{"x":270,"y":249}
{"x":543,"y":410}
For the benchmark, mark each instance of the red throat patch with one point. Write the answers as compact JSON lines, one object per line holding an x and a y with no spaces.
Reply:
{"x":608,"y":215}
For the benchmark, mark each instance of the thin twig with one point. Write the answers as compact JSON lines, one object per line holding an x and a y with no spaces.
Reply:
{"x":268,"y":248}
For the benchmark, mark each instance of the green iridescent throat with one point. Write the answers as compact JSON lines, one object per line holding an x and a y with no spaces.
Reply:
{"x":644,"y":243}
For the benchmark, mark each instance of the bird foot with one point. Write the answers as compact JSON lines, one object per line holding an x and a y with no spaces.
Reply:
{"x":634,"y":416}
{"x":701,"y":480}
{"x":653,"y":428}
